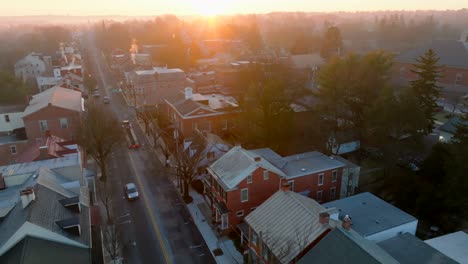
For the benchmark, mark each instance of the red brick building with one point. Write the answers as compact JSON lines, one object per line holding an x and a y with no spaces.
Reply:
{"x":56,"y":111}
{"x":213,"y":113}
{"x":242,"y":179}
{"x":453,"y":59}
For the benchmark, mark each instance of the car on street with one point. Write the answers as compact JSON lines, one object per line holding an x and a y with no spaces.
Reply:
{"x":106,"y":99}
{"x":131,"y":192}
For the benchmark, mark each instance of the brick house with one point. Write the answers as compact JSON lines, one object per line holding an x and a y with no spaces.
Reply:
{"x":213,"y":113}
{"x":453,"y":60}
{"x":56,"y":111}
{"x":242,"y":179}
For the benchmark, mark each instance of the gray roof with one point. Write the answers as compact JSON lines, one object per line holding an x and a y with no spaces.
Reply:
{"x":408,"y":249}
{"x":44,"y":212}
{"x":451,"y":53}
{"x":451,"y":125}
{"x":288,"y":222}
{"x":32,"y":250}
{"x":370,"y":214}
{"x":5,"y":109}
{"x":346,"y":246}
{"x":453,"y":245}
{"x":300,"y":164}
{"x":32,"y":167}
{"x":58,"y":97}
{"x":234,"y":166}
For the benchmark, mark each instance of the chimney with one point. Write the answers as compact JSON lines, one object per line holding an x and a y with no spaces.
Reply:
{"x":188,"y":93}
{"x":285,"y":186}
{"x":347,"y":222}
{"x":258,"y":159}
{"x":27,"y":196}
{"x":324,"y":218}
{"x":43,"y":153}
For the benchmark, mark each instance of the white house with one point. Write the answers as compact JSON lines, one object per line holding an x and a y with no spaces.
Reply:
{"x":32,"y":66}
{"x":373,"y":218}
{"x":11,"y":118}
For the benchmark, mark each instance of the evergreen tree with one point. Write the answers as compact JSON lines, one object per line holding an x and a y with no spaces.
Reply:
{"x":425,"y":86}
{"x":332,"y":43}
{"x":461,"y":134}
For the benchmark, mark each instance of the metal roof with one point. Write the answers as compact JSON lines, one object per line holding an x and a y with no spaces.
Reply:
{"x":56,"y":96}
{"x":287,"y":223}
{"x":408,"y":249}
{"x":452,"y":53}
{"x":370,"y":214}
{"x":300,"y":164}
{"x":234,"y":166}
{"x":346,"y":246}
{"x":32,"y":167}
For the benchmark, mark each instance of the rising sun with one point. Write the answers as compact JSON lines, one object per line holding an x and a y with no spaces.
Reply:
{"x":210,"y":7}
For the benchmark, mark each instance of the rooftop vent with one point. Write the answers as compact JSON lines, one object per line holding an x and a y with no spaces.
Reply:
{"x":27,"y":196}
{"x":303,"y":169}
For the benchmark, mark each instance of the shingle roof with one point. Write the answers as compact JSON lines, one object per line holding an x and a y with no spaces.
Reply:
{"x":370,"y":214}
{"x":234,"y":166}
{"x":408,"y":249}
{"x":56,"y":96}
{"x":451,"y":53}
{"x":346,"y":246}
{"x":32,"y":250}
{"x":44,"y":211}
{"x":287,"y":223}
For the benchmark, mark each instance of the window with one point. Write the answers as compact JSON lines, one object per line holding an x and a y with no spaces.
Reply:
{"x":43,"y":125}
{"x":320,"y":179}
{"x":210,"y":155}
{"x":225,"y":125}
{"x":332,"y":193}
{"x":255,"y":239}
{"x":291,"y":186}
{"x":319,"y":196}
{"x":244,"y":195}
{"x":266,"y":175}
{"x":206,"y":127}
{"x":240,"y":213}
{"x":249,"y":178}
{"x":458,"y":78}
{"x":63,"y":123}
{"x":7,"y":118}
{"x":13,"y":149}
{"x":334,"y":175}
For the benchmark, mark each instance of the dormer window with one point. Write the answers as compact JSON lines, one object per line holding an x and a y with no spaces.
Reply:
{"x":71,"y":225}
{"x":72,"y":203}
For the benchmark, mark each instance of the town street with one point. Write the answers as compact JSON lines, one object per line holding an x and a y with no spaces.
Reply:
{"x":157,"y":228}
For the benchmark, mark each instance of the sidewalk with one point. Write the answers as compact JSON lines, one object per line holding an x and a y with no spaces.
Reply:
{"x":230,"y":253}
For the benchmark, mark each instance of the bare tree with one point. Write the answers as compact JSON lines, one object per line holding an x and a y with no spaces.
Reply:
{"x":112,"y":241}
{"x":104,"y":194}
{"x":188,"y":161}
{"x":98,"y":133}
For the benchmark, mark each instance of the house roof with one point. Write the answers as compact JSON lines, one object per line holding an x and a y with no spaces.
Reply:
{"x":7,"y":108}
{"x":346,"y":246}
{"x":234,"y":166}
{"x":370,"y":214}
{"x":32,"y":250}
{"x":451,"y":125}
{"x":55,"y":96}
{"x":453,"y":245}
{"x":408,"y":249}
{"x":32,"y":167}
{"x":299,"y":164}
{"x":452,"y":53}
{"x":55,"y":148}
{"x":287,"y":223}
{"x":44,"y":212}
{"x":215,"y":103}
{"x":303,"y":61}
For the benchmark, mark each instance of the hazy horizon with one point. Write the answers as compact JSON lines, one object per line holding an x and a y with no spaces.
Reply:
{"x":212,"y":7}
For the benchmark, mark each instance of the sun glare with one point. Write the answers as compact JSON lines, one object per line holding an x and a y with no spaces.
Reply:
{"x":210,"y":7}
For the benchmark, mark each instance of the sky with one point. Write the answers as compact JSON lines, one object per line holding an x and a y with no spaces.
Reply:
{"x":210,"y":7}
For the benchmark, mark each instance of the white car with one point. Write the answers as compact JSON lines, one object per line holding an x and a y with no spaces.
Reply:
{"x":131,"y":191}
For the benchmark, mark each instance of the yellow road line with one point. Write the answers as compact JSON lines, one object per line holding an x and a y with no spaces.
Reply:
{"x":153,"y":219}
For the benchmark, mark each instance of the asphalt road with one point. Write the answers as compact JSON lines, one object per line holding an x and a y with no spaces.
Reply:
{"x":157,"y":228}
